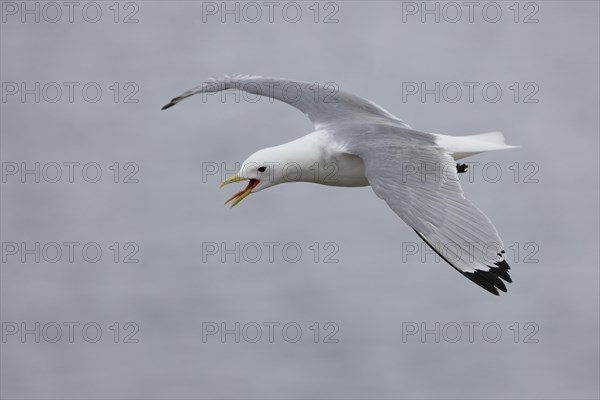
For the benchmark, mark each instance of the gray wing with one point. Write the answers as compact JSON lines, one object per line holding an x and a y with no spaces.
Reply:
{"x":323,"y":104}
{"x":419,"y":181}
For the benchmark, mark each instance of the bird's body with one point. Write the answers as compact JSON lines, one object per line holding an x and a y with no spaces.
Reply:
{"x":357,"y":143}
{"x":318,"y":158}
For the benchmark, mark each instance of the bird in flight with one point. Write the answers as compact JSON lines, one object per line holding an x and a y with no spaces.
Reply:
{"x":357,"y":143}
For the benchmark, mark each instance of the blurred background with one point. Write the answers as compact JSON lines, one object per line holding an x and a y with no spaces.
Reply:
{"x":141,"y":269}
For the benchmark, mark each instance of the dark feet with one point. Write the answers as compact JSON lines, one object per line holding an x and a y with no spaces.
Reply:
{"x":461,"y":168}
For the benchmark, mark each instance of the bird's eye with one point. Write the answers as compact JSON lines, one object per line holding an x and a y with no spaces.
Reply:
{"x":262,"y":169}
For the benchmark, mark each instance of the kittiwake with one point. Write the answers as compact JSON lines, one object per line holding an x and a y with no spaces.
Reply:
{"x":357,"y":143}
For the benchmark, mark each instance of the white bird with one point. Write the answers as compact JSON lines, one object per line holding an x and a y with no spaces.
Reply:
{"x":358,"y":143}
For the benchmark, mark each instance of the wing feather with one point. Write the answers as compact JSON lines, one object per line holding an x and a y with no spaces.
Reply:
{"x":323,"y":104}
{"x":419,"y":182}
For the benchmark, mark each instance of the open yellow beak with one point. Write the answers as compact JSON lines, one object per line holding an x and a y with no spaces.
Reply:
{"x":242,"y":194}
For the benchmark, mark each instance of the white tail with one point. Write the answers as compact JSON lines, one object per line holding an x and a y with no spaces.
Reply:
{"x":465,"y":146}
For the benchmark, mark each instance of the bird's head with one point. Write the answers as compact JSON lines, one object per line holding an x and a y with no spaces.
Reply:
{"x":262,"y":169}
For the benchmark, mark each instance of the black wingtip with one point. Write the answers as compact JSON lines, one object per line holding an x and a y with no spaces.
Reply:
{"x":490,"y":277}
{"x":171,"y":104}
{"x":488,"y":280}
{"x":503,"y":265}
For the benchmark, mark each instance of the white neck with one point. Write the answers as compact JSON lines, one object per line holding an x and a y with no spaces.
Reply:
{"x":313,"y":158}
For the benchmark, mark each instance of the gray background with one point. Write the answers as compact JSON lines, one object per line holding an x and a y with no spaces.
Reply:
{"x":370,"y":292}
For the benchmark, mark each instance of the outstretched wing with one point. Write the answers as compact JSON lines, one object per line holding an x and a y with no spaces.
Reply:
{"x":418,"y":180}
{"x":323,"y":104}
